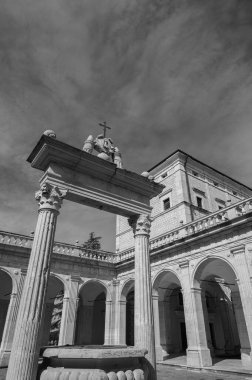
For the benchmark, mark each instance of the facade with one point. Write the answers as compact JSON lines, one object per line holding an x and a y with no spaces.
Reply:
{"x":201,"y":270}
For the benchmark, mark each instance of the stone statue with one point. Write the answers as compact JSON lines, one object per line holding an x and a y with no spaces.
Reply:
{"x":105,"y":148}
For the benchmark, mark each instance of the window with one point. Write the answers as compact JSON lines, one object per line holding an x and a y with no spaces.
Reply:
{"x":167,"y":203}
{"x":199,"y":202}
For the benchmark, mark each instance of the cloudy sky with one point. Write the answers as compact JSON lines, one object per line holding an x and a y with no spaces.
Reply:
{"x":165,"y":74}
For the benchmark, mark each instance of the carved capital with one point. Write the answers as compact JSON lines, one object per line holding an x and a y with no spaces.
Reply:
{"x":50,"y":197}
{"x":140,"y":224}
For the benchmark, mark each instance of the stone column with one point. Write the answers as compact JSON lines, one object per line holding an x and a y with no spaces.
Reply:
{"x":245,"y":290}
{"x":10,"y":323}
{"x":25,"y":350}
{"x":206,"y":318}
{"x":118,"y":335}
{"x":69,"y":314}
{"x":158,"y":348}
{"x":144,"y":324}
{"x":198,"y":354}
{"x":242,"y":328}
{"x":108,"y":338}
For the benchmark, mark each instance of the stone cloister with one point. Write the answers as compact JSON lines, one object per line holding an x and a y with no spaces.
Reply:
{"x":199,"y":292}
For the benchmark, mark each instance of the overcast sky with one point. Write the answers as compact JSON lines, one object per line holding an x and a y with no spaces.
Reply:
{"x":165,"y":74}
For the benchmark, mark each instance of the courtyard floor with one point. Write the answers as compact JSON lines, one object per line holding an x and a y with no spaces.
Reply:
{"x":175,"y":369}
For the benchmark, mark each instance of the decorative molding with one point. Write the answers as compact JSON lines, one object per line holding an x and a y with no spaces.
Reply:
{"x":220,"y":201}
{"x":184,"y":264}
{"x":237,"y":249}
{"x":161,"y":195}
{"x":199,"y":191}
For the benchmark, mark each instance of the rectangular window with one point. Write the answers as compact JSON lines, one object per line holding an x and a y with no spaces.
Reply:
{"x":167,"y":204}
{"x":199,"y":202}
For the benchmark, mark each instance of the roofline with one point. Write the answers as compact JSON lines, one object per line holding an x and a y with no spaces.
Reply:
{"x":200,"y":162}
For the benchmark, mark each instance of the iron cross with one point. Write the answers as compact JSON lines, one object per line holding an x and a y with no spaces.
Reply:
{"x":104,"y":126}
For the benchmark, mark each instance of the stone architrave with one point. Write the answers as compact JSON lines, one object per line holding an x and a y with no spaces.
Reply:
{"x":25,"y":349}
{"x":144,"y":321}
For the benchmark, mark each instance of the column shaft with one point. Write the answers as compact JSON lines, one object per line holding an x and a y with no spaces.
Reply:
{"x":144,"y":334}
{"x":25,"y":350}
{"x":198,"y":353}
{"x":143,"y":317}
{"x":242,"y":328}
{"x":108,"y":338}
{"x":69,"y":315}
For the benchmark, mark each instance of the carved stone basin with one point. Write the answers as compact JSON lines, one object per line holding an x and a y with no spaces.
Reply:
{"x":94,"y":363}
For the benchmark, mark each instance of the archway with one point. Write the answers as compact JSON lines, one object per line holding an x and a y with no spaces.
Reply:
{"x":5,"y":293}
{"x":90,"y":326}
{"x":53,"y":312}
{"x":170,"y":314}
{"x":223,"y":313}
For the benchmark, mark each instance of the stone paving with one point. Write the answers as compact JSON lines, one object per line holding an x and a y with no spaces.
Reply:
{"x":178,"y":373}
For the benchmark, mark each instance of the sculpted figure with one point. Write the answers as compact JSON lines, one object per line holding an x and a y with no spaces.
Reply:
{"x":105,"y":148}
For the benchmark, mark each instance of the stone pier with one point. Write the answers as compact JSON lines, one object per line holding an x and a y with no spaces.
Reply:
{"x":25,"y":349}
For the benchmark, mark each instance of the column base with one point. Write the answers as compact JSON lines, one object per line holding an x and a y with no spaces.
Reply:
{"x":246,"y":357}
{"x":198,"y":357}
{"x":4,"y":358}
{"x":161,"y":354}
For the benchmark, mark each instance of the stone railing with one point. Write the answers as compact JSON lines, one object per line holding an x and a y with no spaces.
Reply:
{"x":9,"y":238}
{"x":216,"y":218}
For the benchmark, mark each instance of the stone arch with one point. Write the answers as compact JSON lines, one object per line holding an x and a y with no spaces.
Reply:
{"x":90,"y":324}
{"x":96,"y":280}
{"x":8,"y":286}
{"x":170,"y":329}
{"x":200,"y":265}
{"x":225,"y":325}
{"x":126,"y":287}
{"x":53,"y":310}
{"x":127,"y":312}
{"x":13,"y":278}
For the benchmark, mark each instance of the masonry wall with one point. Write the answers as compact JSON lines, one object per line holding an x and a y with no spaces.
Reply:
{"x":184,"y":180}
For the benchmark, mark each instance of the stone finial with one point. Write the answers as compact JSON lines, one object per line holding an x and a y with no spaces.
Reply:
{"x":50,"y":133}
{"x":50,"y":197}
{"x":140,"y":224}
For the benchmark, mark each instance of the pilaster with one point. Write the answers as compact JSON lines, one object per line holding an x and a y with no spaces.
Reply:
{"x":69,"y":312}
{"x":198,"y":354}
{"x":245,"y":291}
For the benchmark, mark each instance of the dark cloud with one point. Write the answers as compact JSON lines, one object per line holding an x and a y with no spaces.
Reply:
{"x":165,"y":74}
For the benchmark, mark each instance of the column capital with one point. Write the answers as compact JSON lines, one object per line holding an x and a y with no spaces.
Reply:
{"x":50,"y":197}
{"x":140,"y":224}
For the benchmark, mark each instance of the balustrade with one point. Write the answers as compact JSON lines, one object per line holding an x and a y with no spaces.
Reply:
{"x":201,"y":224}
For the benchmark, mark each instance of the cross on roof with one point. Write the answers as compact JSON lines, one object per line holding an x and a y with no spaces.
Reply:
{"x":104,"y":126}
